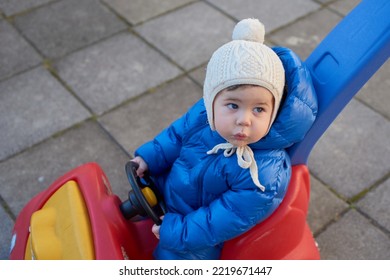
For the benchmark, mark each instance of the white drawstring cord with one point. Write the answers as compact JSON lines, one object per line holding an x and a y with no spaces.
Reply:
{"x":245,"y":159}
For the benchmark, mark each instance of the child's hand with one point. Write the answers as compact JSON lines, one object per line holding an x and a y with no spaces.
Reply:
{"x":142,"y":166}
{"x":156,"y":229}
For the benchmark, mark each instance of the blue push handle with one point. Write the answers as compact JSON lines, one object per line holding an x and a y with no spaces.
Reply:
{"x":342,"y":63}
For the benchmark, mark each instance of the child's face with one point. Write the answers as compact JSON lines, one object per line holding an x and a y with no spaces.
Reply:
{"x":242,"y":116}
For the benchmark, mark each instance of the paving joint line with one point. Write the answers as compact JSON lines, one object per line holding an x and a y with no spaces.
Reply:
{"x":334,"y":220}
{"x":49,"y":67}
{"x":373,"y":222}
{"x":7,"y":209}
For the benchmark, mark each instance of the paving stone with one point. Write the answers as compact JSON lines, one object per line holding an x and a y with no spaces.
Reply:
{"x":106,"y":74}
{"x":199,"y":74}
{"x":324,"y":206}
{"x":15,"y":53}
{"x":5,"y":234}
{"x":11,"y":7}
{"x":304,"y":35}
{"x":376,"y":204}
{"x":141,"y":120}
{"x":137,"y":11}
{"x":65,"y":26}
{"x":353,"y":237}
{"x":344,"y":6}
{"x":33,"y":106}
{"x":273,"y":14}
{"x":353,"y":153}
{"x":375,"y":92}
{"x":32,"y":171}
{"x":189,"y":35}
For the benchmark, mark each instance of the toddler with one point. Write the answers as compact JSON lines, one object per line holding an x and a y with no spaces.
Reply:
{"x":223,"y":166}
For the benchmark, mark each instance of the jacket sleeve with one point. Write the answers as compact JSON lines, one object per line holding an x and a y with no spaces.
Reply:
{"x":234,"y":212}
{"x":162,"y":151}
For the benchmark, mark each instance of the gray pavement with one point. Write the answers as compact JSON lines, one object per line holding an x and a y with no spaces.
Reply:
{"x":91,"y":80}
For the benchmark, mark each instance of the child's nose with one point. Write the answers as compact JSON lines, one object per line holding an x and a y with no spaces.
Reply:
{"x":243,"y":119}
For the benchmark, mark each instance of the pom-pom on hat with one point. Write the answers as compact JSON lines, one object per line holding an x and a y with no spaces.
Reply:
{"x":244,"y":60}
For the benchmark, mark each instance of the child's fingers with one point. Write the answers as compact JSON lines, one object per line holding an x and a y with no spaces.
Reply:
{"x":156,"y":231}
{"x":142,"y":166}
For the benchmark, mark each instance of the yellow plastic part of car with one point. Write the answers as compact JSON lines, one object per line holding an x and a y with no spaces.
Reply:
{"x":61,"y":228}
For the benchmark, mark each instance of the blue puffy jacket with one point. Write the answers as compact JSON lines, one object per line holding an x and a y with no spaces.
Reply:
{"x":209,"y":198}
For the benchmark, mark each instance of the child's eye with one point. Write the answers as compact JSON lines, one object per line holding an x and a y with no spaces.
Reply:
{"x":232,"y":106}
{"x":258,"y":109}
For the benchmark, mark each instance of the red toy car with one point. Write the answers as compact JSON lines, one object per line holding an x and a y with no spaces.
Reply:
{"x":91,"y":222}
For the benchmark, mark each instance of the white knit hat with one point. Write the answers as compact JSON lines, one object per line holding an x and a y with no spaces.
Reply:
{"x":244,"y":60}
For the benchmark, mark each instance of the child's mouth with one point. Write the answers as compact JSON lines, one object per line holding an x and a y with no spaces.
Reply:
{"x":240,"y":136}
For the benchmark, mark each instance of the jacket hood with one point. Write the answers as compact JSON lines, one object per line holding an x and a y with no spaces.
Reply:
{"x":298,"y":109}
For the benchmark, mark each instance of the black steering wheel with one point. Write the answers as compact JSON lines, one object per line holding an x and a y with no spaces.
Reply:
{"x":144,"y":197}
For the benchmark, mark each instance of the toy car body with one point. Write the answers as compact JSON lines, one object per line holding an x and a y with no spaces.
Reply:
{"x":78,"y":217}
